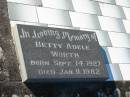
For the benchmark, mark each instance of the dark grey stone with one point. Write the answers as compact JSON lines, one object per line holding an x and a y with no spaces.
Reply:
{"x":60,"y":54}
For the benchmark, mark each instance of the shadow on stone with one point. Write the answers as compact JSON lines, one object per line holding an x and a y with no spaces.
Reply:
{"x":80,"y":89}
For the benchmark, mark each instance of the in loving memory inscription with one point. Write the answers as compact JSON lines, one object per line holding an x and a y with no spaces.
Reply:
{"x":60,"y":54}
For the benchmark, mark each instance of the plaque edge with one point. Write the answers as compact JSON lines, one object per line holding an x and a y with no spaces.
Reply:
{"x":19,"y":54}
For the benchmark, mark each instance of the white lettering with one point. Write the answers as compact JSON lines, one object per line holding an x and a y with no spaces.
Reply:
{"x":62,"y":63}
{"x":39,"y":63}
{"x":39,"y":44}
{"x":46,"y":33}
{"x":64,"y":54}
{"x":24,"y":34}
{"x":80,"y":37}
{"x":46,"y":71}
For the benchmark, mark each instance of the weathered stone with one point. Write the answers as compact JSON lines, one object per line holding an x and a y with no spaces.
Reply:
{"x":1,"y":54}
{"x":8,"y":62}
{"x":15,"y":89}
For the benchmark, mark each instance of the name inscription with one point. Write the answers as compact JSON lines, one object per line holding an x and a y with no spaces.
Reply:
{"x":60,"y":53}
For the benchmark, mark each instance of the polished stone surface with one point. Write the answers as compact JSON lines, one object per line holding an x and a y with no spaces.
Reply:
{"x":47,"y":54}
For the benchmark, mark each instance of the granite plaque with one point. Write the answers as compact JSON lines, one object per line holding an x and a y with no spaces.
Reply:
{"x":53,"y":54}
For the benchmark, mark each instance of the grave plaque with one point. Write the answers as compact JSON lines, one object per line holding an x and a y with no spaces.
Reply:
{"x":53,"y":54}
